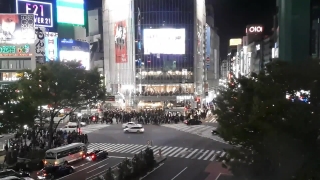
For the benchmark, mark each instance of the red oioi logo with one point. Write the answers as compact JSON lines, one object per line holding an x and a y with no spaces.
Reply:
{"x":254,"y":29}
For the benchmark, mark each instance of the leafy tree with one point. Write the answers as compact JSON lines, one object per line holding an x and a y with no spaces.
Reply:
{"x":124,"y":169}
{"x":149,"y":158}
{"x":138,"y":165}
{"x":273,"y":137}
{"x":15,"y":112}
{"x":62,"y":85}
{"x":109,"y":174}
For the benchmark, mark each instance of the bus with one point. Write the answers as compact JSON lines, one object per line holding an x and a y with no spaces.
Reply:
{"x":65,"y":154}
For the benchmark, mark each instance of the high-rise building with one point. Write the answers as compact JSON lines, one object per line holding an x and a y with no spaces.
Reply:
{"x":294,"y":29}
{"x":154,"y":51}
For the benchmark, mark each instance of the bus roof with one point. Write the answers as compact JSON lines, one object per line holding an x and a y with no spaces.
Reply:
{"x":61,"y":148}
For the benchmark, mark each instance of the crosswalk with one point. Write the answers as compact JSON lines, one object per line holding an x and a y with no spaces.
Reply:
{"x":199,"y":130}
{"x":211,"y":119}
{"x":93,"y":127}
{"x":169,"y":151}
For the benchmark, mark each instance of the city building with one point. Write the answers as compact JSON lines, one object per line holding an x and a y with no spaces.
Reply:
{"x":293,"y":23}
{"x":212,"y":55}
{"x":315,"y":29}
{"x":154,"y":55}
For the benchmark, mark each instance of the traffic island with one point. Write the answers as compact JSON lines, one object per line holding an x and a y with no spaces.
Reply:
{"x":133,"y":169}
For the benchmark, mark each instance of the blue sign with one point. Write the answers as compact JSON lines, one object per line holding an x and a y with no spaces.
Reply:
{"x":73,"y":45}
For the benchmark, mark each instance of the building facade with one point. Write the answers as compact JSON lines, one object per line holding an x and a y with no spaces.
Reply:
{"x":154,"y":51}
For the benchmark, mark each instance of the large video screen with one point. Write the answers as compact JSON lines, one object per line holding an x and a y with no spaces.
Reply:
{"x":164,"y":41}
{"x":70,"y":11}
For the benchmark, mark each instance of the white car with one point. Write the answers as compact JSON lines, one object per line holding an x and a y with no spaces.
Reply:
{"x":76,"y":124}
{"x":130,"y":124}
{"x":134,"y":129}
{"x":69,"y":128}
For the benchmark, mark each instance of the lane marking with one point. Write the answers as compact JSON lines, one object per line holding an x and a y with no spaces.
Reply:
{"x":97,"y":168}
{"x":82,"y":169}
{"x":179,"y":173}
{"x":151,"y":171}
{"x":98,"y":174}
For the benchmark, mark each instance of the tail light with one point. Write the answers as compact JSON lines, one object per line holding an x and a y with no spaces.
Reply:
{"x":83,"y":156}
{"x":94,"y":118}
{"x":55,"y":163}
{"x":93,"y":156}
{"x":45,"y":162}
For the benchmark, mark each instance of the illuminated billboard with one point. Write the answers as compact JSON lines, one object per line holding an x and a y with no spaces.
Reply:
{"x":70,"y":50}
{"x":17,"y":28}
{"x":15,"y":50}
{"x":235,"y":42}
{"x":42,"y":11}
{"x":164,"y":41}
{"x":254,"y":29}
{"x":120,"y":41}
{"x":70,"y":11}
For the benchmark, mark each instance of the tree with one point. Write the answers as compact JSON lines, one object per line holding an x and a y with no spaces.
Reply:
{"x":124,"y":169}
{"x":109,"y":174}
{"x":15,"y":112}
{"x":149,"y":158}
{"x":62,"y":85}
{"x":274,"y":137}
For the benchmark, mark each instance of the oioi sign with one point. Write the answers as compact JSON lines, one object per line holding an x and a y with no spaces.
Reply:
{"x":254,"y":29}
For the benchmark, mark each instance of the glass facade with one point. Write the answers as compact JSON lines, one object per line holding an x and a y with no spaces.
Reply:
{"x":169,"y":70}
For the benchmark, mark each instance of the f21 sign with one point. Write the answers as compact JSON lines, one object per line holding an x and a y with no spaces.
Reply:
{"x":254,"y":29}
{"x":41,"y":10}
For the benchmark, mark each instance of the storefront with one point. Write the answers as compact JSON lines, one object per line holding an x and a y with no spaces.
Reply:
{"x":72,"y":50}
{"x":17,"y":46}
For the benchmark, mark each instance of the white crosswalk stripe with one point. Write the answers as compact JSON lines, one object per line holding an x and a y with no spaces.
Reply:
{"x":92,"y":127}
{"x":212,"y":119}
{"x":199,"y":130}
{"x":169,"y":151}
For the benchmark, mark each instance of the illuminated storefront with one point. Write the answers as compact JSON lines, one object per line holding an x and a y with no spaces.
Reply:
{"x":71,"y":50}
{"x":17,"y":49}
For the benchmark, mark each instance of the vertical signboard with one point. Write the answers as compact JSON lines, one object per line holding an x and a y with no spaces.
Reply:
{"x":39,"y":45}
{"x":17,"y":28}
{"x":208,"y":45}
{"x":120,"y":38}
{"x":51,"y":44}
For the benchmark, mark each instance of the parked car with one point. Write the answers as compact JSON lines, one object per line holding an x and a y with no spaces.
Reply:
{"x":130,"y":124}
{"x":134,"y":129}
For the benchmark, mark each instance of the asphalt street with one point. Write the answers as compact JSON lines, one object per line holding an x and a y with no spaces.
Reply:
{"x":161,"y":136}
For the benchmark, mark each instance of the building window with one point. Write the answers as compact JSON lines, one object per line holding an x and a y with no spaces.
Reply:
{"x":15,"y":64}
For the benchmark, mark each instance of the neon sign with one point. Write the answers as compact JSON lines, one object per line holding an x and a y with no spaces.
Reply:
{"x":254,"y":29}
{"x":15,"y":50}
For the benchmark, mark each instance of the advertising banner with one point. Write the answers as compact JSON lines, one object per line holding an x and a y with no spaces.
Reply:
{"x":73,"y":45}
{"x":16,"y":27}
{"x":51,"y":44}
{"x":120,"y":38}
{"x":15,"y":50}
{"x":208,"y":44}
{"x":39,"y":45}
{"x":41,"y":10}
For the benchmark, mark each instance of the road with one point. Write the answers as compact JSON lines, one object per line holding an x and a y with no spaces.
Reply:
{"x":190,"y":152}
{"x":88,"y":170}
